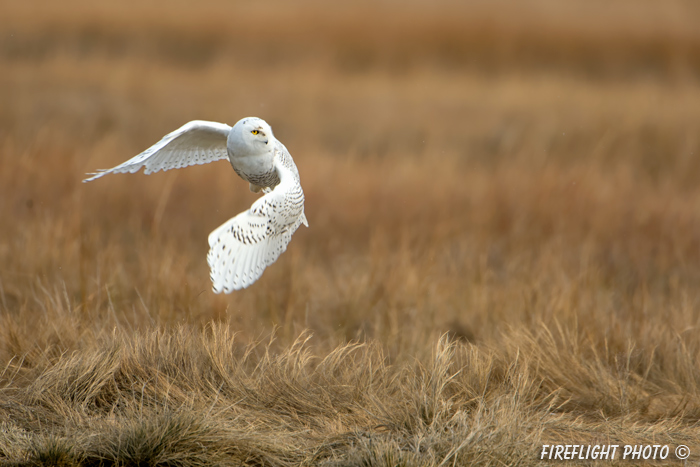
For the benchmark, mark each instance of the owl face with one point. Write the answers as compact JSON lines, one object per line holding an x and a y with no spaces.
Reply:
{"x":252,"y":135}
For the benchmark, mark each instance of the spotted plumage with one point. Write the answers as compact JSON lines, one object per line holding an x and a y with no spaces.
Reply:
{"x":241,"y":248}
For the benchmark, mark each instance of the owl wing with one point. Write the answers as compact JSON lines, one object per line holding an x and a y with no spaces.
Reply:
{"x":195,"y":143}
{"x":241,"y":249}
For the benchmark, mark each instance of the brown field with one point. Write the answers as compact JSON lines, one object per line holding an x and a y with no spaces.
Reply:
{"x":503,"y":252}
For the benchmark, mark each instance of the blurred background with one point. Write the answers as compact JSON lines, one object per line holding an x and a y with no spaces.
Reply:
{"x":470,"y":167}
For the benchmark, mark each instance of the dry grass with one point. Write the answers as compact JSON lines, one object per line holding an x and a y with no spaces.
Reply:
{"x":504,"y":241}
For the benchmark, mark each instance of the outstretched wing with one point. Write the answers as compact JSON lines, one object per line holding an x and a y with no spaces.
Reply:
{"x":197,"y":142}
{"x":241,"y":249}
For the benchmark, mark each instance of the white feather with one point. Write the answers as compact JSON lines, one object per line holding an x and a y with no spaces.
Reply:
{"x":258,"y":236}
{"x":195,"y":143}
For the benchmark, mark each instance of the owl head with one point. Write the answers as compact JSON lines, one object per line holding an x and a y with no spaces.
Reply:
{"x":251,"y":135}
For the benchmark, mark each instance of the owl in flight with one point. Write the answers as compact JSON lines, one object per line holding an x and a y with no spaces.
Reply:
{"x":241,"y":248}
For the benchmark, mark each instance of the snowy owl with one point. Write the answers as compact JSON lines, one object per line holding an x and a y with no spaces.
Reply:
{"x":241,"y":248}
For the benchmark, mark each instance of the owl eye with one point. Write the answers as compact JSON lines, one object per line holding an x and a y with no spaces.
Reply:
{"x":255,"y":132}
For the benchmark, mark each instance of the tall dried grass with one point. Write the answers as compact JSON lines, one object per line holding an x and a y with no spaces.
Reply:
{"x":503,"y":247}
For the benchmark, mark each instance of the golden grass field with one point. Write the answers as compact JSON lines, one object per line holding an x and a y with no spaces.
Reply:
{"x":503,"y":251}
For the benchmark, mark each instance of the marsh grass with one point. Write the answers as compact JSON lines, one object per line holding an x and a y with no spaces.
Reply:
{"x":503,"y":247}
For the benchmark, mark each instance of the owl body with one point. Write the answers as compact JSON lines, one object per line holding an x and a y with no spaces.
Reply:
{"x":255,"y":172}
